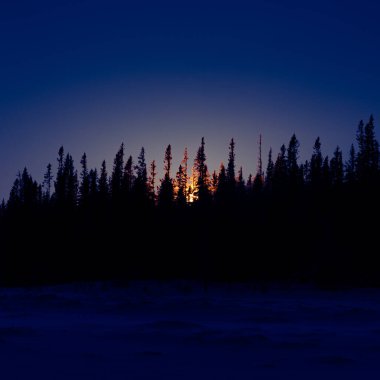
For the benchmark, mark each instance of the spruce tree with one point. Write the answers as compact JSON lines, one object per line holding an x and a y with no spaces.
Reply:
{"x":316,"y":163}
{"x":141,"y":180}
{"x":292,"y":162}
{"x":166,"y":193}
{"x":269,"y":171}
{"x":47,"y":183}
{"x":84,"y":188}
{"x":202,"y":189}
{"x":117,"y":175}
{"x":336,"y":167}
{"x":103,"y":183}
{"x":152,"y":182}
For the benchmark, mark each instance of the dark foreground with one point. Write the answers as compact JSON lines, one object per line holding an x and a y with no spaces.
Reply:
{"x":152,"y":330}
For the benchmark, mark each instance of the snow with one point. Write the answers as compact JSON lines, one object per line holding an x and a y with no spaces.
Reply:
{"x":182,"y":330}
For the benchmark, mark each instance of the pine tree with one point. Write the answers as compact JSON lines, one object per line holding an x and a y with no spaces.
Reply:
{"x":128,"y":178}
{"x":71,"y":182}
{"x":93,"y":181}
{"x":231,"y":179}
{"x":117,"y":175}
{"x":367,"y":164}
{"x":184,"y":164}
{"x":240,"y":185}
{"x":214,"y":183}
{"x":336,"y":167}
{"x":25,"y":192}
{"x":47,"y":183}
{"x":326,"y":177}
{"x":152,"y":182}
{"x":84,"y":188}
{"x":249,"y":184}
{"x":292,"y":164}
{"x":221,"y":190}
{"x":181,"y":186}
{"x":269,"y":172}
{"x":59,"y":183}
{"x":141,"y":180}
{"x":103,"y":183}
{"x":316,"y":163}
{"x":166,"y":193}
{"x":201,"y":190}
{"x":350,"y":175}
{"x":280,"y":171}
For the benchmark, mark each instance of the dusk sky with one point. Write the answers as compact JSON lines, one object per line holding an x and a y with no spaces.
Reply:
{"x":89,"y":75}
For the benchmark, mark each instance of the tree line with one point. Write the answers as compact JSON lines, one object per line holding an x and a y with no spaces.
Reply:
{"x":302,"y":221}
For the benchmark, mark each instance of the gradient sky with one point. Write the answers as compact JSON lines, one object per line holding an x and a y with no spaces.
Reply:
{"x":90,"y":74}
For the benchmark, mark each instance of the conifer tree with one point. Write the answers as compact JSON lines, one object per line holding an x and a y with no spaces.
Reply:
{"x":128,"y":178}
{"x":181,"y":186}
{"x":316,"y":163}
{"x":59,"y":183}
{"x":117,"y":174}
{"x":152,"y":182}
{"x":231,"y":178}
{"x":166,"y":193}
{"x":280,"y":171}
{"x":221,"y":191}
{"x":336,"y":167}
{"x":350,"y":166}
{"x":240,"y":185}
{"x":141,"y":180}
{"x":201,"y":189}
{"x":269,"y":171}
{"x":84,"y":188}
{"x":292,"y":162}
{"x":47,"y":183}
{"x":71,"y":182}
{"x":103,"y":183}
{"x":93,"y":181}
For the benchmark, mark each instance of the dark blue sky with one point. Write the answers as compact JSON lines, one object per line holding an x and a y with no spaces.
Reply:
{"x":90,"y":74}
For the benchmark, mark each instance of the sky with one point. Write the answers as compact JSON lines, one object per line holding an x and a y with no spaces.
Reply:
{"x":89,"y":75}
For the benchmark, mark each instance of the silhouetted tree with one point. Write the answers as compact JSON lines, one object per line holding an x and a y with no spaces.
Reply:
{"x":270,"y":171}
{"x":48,"y":179}
{"x":128,"y":179}
{"x":316,"y":163}
{"x":71,"y":182}
{"x":249,"y":184}
{"x":280,"y":172}
{"x":93,"y":181}
{"x":326,"y":178}
{"x":141,"y":181}
{"x":240,"y":185}
{"x":336,"y":167}
{"x":292,"y":162}
{"x":84,"y":188}
{"x":181,"y":186}
{"x":103,"y":183}
{"x":166,"y":193}
{"x":24,"y":192}
{"x":350,"y":173}
{"x":152,"y":182}
{"x":221,"y":190}
{"x":201,"y":190}
{"x":117,"y":175}
{"x":59,"y":183}
{"x":184,"y":164}
{"x":231,"y":178}
{"x":367,"y":163}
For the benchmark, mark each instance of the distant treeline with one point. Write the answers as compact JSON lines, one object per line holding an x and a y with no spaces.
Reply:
{"x":315,"y":221}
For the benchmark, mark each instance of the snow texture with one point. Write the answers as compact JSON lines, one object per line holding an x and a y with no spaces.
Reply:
{"x":182,"y":330}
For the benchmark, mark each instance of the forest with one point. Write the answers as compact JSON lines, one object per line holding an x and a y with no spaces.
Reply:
{"x":310,"y":222}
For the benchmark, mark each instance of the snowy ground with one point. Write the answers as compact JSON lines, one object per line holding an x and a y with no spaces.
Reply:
{"x":180,"y":331}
